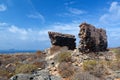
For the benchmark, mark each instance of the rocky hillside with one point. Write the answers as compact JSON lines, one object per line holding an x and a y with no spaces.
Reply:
{"x":59,"y":63}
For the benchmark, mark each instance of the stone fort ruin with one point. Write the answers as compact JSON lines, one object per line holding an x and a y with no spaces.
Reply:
{"x":91,"y":39}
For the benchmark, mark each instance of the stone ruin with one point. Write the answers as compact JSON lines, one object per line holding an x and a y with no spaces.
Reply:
{"x":59,"y":39}
{"x":92,"y":39}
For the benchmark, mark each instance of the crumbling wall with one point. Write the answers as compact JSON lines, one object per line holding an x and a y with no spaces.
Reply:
{"x":60,"y":39}
{"x":92,"y":39}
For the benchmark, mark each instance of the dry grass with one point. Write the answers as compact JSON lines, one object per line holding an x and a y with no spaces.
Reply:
{"x":100,"y":70}
{"x":40,"y":64}
{"x":66,"y":70}
{"x":25,"y":68}
{"x":55,"y":49}
{"x":96,"y":68}
{"x":64,"y":57}
{"x":89,"y":65}
{"x":11,"y":64}
{"x":115,"y":65}
{"x":39,"y":53}
{"x":5,"y":73}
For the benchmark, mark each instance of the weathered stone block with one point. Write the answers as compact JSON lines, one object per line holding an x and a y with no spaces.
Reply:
{"x":59,"y":39}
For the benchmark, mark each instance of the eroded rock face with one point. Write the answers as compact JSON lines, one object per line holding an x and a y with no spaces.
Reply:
{"x":59,"y":39}
{"x":92,"y":39}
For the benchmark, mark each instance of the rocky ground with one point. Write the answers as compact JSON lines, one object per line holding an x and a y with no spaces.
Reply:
{"x":59,"y":63}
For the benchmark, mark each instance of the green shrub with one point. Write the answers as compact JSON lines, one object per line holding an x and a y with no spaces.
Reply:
{"x":25,"y":68}
{"x":64,"y":57}
{"x":89,"y":65}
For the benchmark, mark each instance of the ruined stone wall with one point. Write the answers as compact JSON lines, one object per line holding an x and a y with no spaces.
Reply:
{"x":60,"y":39}
{"x":92,"y":39}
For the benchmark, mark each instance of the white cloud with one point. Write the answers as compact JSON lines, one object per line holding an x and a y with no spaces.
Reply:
{"x":112,"y":17}
{"x":72,"y":12}
{"x":27,"y":37}
{"x":68,"y":28}
{"x":111,"y":21}
{"x":3,"y":24}
{"x":15,"y":29}
{"x":75,"y":11}
{"x":37,"y":16}
{"x":113,"y":37}
{"x":3,"y":7}
{"x":42,"y":34}
{"x":114,"y":33}
{"x":114,"y":7}
{"x":69,"y":3}
{"x":18,"y":32}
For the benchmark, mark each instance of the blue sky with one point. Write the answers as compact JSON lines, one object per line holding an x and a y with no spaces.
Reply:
{"x":24,"y":24}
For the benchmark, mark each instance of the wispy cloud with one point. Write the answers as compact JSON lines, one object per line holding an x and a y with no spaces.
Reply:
{"x":75,"y":11}
{"x":37,"y":16}
{"x":67,"y":28}
{"x":69,"y":3}
{"x":15,"y":29}
{"x":2,"y":24}
{"x":72,"y":12}
{"x":112,"y":16}
{"x":70,"y":28}
{"x":3,"y":7}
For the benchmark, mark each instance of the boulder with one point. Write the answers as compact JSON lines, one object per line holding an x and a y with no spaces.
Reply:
{"x":39,"y":75}
{"x":59,"y":39}
{"x":22,"y":77}
{"x":92,"y":39}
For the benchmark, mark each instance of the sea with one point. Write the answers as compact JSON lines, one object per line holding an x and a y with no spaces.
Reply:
{"x":16,"y":51}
